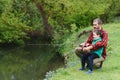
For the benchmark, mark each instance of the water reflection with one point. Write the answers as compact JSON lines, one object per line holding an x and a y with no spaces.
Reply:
{"x":27,"y":63}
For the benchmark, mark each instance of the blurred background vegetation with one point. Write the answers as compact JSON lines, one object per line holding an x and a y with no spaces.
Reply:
{"x":52,"y":20}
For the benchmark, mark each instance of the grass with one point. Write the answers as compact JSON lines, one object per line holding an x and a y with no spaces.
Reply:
{"x":111,"y":67}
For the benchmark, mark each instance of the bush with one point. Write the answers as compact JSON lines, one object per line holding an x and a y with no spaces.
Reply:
{"x":12,"y":30}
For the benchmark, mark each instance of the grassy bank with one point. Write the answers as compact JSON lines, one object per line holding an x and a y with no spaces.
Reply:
{"x":110,"y":70}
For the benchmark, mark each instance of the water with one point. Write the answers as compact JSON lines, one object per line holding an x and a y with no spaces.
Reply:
{"x":28,"y":63}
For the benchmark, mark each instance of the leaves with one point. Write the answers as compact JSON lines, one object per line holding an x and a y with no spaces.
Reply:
{"x":11,"y":29}
{"x":22,"y":15}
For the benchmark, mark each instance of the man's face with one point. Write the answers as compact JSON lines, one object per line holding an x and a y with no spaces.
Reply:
{"x":96,"y":25}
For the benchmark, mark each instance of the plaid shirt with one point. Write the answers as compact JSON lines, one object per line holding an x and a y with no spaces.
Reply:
{"x":103,"y":43}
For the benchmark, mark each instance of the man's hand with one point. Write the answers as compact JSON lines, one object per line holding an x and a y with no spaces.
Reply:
{"x":87,"y":44}
{"x":79,"y":48}
{"x":87,"y":48}
{"x":82,"y":44}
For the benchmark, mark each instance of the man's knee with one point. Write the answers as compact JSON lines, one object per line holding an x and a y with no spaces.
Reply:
{"x":78,"y":51}
{"x":98,"y":61}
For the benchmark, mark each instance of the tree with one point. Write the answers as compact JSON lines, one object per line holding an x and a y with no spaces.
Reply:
{"x":47,"y":26}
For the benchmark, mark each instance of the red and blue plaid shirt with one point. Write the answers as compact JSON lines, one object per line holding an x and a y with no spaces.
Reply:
{"x":103,"y":43}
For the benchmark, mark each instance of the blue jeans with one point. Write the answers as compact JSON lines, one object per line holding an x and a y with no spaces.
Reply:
{"x":89,"y":57}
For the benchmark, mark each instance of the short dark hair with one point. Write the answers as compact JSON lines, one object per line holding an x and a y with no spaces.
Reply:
{"x":98,"y":32}
{"x":98,"y":20}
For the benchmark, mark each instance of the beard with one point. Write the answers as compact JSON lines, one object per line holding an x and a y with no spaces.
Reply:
{"x":97,"y":28}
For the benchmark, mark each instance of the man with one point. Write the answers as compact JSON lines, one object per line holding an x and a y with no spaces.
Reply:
{"x":97,"y":24}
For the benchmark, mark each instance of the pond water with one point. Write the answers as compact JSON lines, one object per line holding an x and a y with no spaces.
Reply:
{"x":28,"y":63}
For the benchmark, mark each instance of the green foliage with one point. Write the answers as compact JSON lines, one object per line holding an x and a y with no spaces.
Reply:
{"x":2,"y":5}
{"x":111,"y":10}
{"x":79,"y":12}
{"x":11,"y":29}
{"x":16,"y":20}
{"x":65,"y":16}
{"x":27,"y":12}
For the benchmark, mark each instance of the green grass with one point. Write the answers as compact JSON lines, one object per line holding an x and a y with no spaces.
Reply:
{"x":111,"y":66}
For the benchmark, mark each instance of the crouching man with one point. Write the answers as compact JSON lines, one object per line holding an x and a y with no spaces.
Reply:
{"x":97,"y":25}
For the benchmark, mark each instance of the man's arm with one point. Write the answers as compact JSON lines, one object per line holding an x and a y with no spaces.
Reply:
{"x":87,"y":48}
{"x":89,"y":40}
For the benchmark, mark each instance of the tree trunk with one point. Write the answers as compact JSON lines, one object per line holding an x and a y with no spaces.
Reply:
{"x":47,"y":26}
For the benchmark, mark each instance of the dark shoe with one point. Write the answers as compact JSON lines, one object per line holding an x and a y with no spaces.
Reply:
{"x":82,"y":69}
{"x":89,"y":72}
